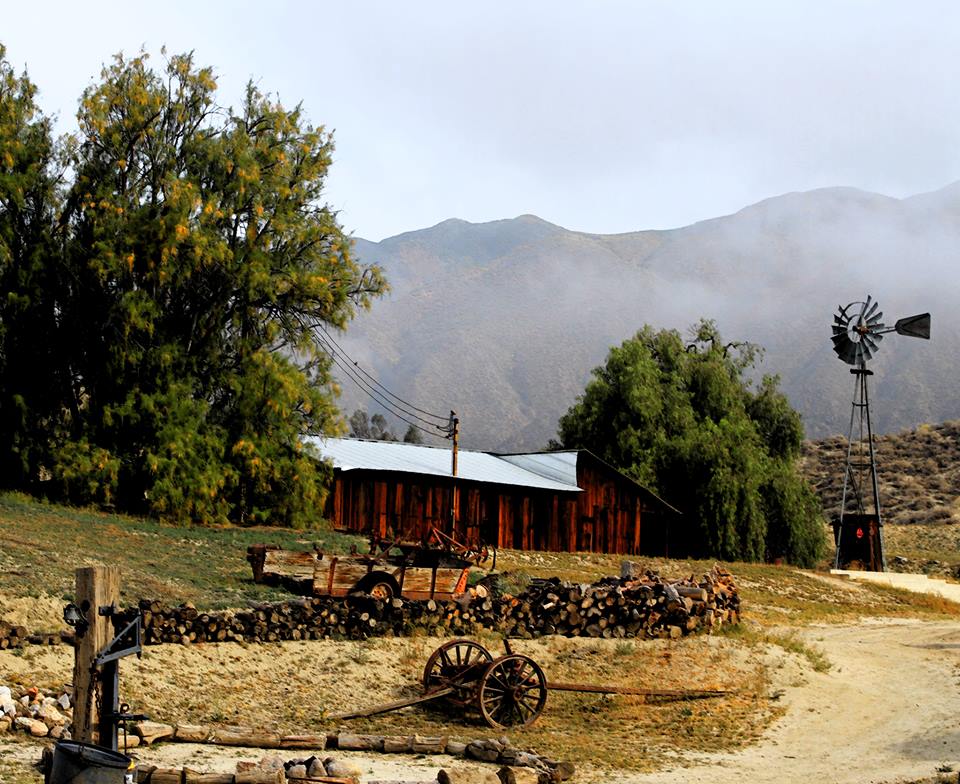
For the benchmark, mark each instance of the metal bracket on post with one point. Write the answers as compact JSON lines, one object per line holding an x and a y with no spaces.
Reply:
{"x":126,"y":643}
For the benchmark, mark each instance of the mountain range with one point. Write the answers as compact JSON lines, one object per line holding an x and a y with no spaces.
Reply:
{"x":503,"y":321}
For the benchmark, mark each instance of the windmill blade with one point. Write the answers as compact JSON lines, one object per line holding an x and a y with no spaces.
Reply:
{"x":914,"y":326}
{"x":872,"y":341}
{"x":872,"y":309}
{"x":874,"y":320}
{"x":864,"y":354}
{"x":863,"y":310}
{"x":846,"y":350}
{"x":841,"y":340}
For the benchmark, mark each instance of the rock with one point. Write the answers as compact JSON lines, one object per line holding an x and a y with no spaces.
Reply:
{"x":5,"y":692}
{"x":297,"y":772}
{"x":56,"y":732}
{"x":518,"y":776}
{"x":630,"y":570}
{"x":341,"y":769}
{"x":316,"y":768}
{"x":50,"y":716}
{"x":64,"y":701}
{"x":485,"y":750}
{"x":34,"y":726}
{"x":271,"y":762}
{"x":7,"y":706}
{"x":467,"y":777}
{"x":5,"y":723}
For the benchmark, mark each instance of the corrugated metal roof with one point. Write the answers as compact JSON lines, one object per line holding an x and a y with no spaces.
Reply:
{"x":354,"y":454}
{"x":558,"y":466}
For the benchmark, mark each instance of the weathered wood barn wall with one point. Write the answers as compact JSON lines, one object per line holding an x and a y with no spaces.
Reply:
{"x":601,"y":510}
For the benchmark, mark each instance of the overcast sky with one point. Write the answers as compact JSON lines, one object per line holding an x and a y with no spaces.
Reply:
{"x":598,"y":116}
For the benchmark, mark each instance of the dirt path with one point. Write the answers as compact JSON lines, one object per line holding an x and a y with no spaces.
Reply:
{"x":888,"y":710}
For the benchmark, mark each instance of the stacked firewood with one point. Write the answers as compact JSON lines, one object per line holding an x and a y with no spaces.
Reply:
{"x":11,"y":636}
{"x":635,"y":605}
{"x":641,"y":605}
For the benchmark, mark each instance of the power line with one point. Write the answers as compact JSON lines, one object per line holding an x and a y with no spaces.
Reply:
{"x":379,"y":398}
{"x":376,"y":395}
{"x":356,"y":364}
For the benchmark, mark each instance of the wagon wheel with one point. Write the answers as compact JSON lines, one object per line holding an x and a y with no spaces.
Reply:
{"x":512,"y":690}
{"x":450,"y":661}
{"x":381,"y":589}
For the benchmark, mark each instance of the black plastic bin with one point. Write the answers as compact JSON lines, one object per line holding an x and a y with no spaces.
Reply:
{"x":83,"y":763}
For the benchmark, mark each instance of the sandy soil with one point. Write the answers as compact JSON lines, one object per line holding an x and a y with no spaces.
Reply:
{"x":888,"y":710}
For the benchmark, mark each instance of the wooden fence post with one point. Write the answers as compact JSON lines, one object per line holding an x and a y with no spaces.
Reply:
{"x":97,"y":586}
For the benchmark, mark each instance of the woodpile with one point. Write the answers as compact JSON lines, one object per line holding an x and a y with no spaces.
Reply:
{"x":638,"y":604}
{"x":11,"y":636}
{"x":634,"y":605}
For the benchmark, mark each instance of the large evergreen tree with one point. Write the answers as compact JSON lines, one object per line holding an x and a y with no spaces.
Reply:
{"x":183,"y":274}
{"x":683,"y":419}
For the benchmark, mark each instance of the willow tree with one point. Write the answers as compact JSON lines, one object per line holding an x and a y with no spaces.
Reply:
{"x":682,"y":418}
{"x":29,"y":170}
{"x":196,"y":259}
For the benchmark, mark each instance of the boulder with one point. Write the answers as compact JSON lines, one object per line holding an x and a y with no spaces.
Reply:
{"x":34,"y":726}
{"x":50,"y":716}
{"x":341,"y":769}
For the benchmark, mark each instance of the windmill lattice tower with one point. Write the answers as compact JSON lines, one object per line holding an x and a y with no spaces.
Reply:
{"x":858,"y":329}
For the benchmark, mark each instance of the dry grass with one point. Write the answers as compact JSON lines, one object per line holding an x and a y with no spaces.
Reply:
{"x":918,"y":472}
{"x":293,"y":686}
{"x":41,"y":546}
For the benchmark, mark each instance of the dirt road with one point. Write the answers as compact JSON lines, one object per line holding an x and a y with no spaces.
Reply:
{"x":888,"y":710}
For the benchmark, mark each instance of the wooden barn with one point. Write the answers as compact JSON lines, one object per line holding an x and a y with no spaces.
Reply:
{"x":562,"y":501}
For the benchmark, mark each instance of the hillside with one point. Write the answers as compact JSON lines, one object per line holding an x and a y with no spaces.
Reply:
{"x":503,"y":321}
{"x":919,"y":479}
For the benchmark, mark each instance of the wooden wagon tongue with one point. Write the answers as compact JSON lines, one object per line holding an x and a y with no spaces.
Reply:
{"x":508,"y":691}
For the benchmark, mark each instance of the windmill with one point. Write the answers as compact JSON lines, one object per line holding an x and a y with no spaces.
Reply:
{"x":858,"y":329}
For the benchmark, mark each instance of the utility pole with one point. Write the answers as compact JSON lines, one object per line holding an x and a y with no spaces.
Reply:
{"x":454,"y":434}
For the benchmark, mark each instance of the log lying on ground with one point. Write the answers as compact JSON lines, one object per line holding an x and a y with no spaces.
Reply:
{"x":149,"y":774}
{"x":495,"y":750}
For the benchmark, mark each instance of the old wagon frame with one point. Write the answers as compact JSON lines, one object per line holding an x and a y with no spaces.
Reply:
{"x":436,"y":569}
{"x":506,"y":691}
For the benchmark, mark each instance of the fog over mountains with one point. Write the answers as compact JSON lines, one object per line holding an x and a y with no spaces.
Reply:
{"x":503,"y":321}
